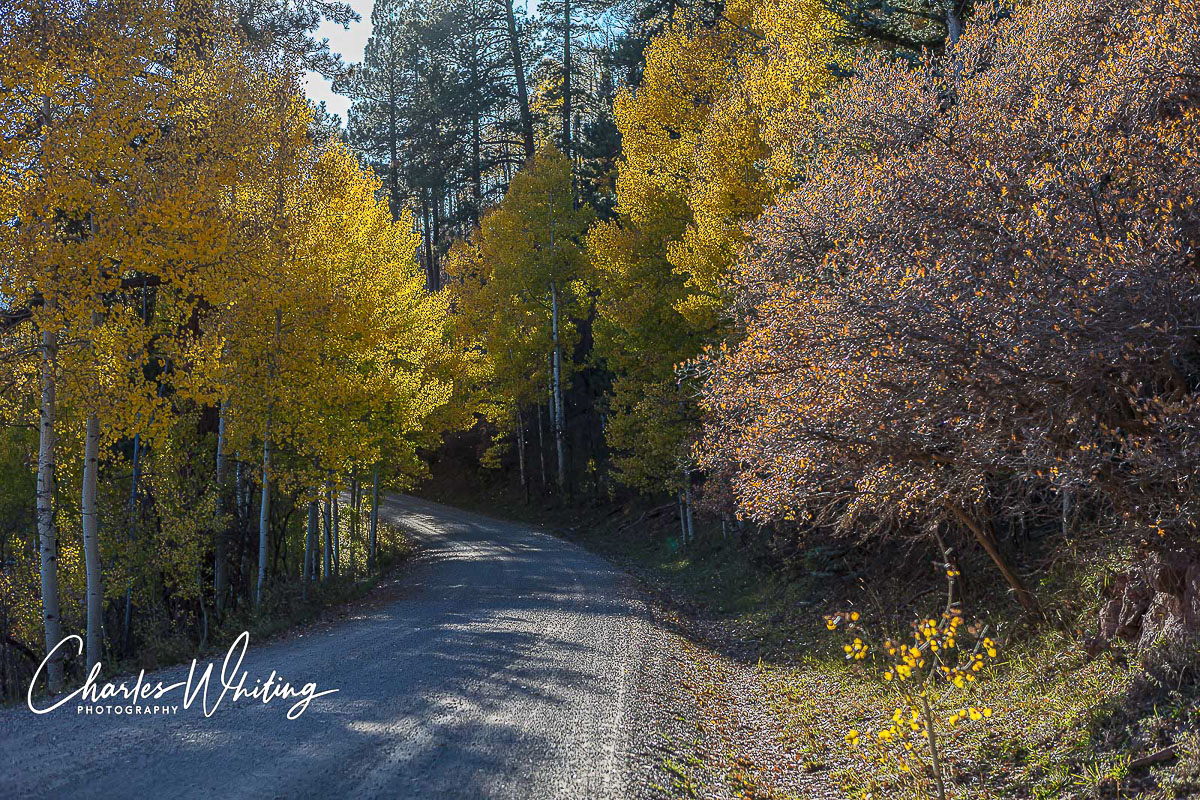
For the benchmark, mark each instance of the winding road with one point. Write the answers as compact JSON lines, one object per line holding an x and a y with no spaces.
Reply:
{"x":507,"y":667}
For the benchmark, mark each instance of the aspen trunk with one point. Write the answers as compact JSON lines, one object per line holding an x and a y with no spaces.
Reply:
{"x":310,"y":536}
{"x":315,"y":564}
{"x":558,"y":393}
{"x":328,"y":530}
{"x":934,"y":754}
{"x":242,"y":490}
{"x":47,"y":531}
{"x":203,"y":612}
{"x":429,"y":220}
{"x":436,"y":221}
{"x":355,"y":520}
{"x":374,"y":519}
{"x":337,"y":533}
{"x":954,"y":25}
{"x":220,"y":524}
{"x":566,"y":86}
{"x":239,"y":488}
{"x":133,"y":492}
{"x":551,"y":407}
{"x":541,"y":446}
{"x":683,"y":531}
{"x":521,"y":453}
{"x":264,"y":506}
{"x":687,"y":506}
{"x":91,"y":541}
{"x":264,"y":516}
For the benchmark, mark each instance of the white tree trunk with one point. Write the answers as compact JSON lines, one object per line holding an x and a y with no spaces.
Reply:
{"x":558,"y":393}
{"x":355,"y":520}
{"x":687,"y":506}
{"x":521,"y":452}
{"x":337,"y":533}
{"x":264,"y":516}
{"x":220,"y":523}
{"x":541,"y":445}
{"x":328,"y":530}
{"x":683,"y":532}
{"x":91,"y":541}
{"x":47,"y":532}
{"x":133,"y":493}
{"x":310,"y":536}
{"x":954,"y":25}
{"x":374,"y":519}
{"x":243,"y":497}
{"x":552,"y":406}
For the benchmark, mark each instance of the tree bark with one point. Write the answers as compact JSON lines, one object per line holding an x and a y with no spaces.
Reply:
{"x":394,"y":201}
{"x":934,"y":755}
{"x":435,"y":221}
{"x":988,"y":543}
{"x":221,"y":524}
{"x":541,"y":445}
{"x":683,"y":532}
{"x":133,"y":492}
{"x":476,"y":143}
{"x":355,"y":519}
{"x":328,"y":530}
{"x":310,"y":534}
{"x":91,"y":541}
{"x":687,"y":505}
{"x":47,"y":531}
{"x":514,"y":39}
{"x":954,"y":25}
{"x":558,"y":393}
{"x":337,"y":533}
{"x":374,"y":519}
{"x":427,"y":215}
{"x":264,"y":516}
{"x":566,"y":85}
{"x":242,"y":498}
{"x":521,"y":453}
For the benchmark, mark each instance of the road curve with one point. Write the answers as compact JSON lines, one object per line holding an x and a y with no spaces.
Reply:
{"x":507,"y":668}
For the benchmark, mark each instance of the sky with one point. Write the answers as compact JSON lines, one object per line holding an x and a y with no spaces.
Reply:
{"x":350,"y":44}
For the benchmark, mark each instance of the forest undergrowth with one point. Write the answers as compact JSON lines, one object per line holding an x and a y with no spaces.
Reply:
{"x":286,"y":611}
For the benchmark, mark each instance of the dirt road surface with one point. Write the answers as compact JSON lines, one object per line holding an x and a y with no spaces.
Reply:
{"x":505,"y":667}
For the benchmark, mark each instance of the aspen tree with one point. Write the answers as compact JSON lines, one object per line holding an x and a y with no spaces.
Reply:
{"x":519,"y":285}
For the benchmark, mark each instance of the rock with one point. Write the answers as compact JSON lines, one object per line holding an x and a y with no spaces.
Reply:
{"x":1156,"y":605}
{"x":1166,"y":645}
{"x":1135,"y":600}
{"x":1191,"y":597}
{"x":1110,"y":619}
{"x":1165,"y":572}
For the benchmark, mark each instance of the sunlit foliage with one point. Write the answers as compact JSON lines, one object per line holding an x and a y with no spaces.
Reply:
{"x":985,"y":290}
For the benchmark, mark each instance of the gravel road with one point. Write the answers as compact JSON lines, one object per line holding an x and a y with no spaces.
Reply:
{"x":507,"y":667}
